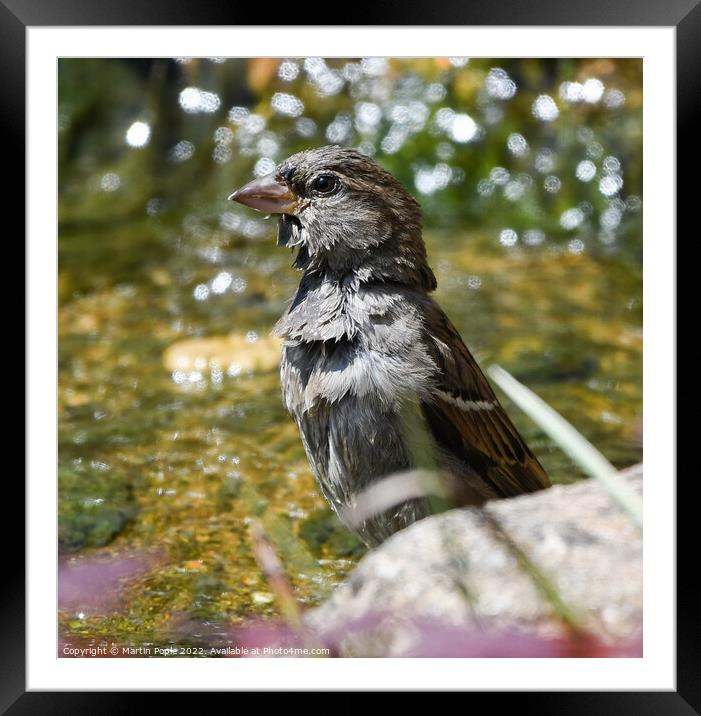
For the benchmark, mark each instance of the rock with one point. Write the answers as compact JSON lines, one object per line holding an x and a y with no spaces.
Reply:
{"x":235,"y":353}
{"x":458,"y":569}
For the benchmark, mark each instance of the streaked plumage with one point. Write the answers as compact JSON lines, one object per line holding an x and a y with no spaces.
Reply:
{"x":364,"y":340}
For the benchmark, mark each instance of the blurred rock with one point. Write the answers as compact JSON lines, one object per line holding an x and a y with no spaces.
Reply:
{"x":236,"y":353}
{"x":457,"y":569}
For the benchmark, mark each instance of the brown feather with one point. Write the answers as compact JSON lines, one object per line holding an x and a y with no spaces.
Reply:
{"x":482,"y":437}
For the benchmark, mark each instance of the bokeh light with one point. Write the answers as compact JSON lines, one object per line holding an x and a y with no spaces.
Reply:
{"x":138,"y":134}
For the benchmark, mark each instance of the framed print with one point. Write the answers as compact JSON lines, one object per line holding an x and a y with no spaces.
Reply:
{"x":336,"y":354}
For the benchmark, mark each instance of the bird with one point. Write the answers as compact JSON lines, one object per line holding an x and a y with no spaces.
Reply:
{"x":365,"y":345}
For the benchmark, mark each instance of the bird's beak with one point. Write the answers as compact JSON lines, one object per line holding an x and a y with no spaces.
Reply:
{"x":267,"y":195}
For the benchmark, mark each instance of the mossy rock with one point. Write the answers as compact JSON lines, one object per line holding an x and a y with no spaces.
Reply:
{"x":323,"y":533}
{"x":95,"y":504}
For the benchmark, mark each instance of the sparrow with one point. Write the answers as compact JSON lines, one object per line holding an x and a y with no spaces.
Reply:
{"x":364,"y":344}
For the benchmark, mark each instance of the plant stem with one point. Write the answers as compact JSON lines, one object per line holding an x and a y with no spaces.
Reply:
{"x":570,"y":440}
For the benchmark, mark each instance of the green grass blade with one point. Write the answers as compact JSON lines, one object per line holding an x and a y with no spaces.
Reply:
{"x":570,"y":440}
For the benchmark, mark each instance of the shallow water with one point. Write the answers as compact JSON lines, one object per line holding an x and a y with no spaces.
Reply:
{"x":178,"y":461}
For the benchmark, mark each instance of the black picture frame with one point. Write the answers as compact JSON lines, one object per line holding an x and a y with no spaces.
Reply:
{"x":685,"y":15}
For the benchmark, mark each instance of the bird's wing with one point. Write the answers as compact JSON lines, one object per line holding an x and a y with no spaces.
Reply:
{"x":466,"y":419}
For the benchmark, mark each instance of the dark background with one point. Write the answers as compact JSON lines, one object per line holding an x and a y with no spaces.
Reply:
{"x":688,"y":82}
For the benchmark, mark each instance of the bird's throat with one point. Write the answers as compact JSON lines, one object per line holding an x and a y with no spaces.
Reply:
{"x":289,"y":230}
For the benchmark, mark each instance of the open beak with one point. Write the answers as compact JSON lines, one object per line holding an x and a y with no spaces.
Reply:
{"x":267,"y":195}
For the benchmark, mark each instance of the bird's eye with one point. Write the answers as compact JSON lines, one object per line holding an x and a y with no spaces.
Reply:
{"x":325,"y":184}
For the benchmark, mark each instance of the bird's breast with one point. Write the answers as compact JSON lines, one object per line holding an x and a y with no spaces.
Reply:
{"x":381,"y":370}
{"x":366,"y":342}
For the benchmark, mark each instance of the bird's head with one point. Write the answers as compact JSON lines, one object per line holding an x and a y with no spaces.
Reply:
{"x":346,"y":214}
